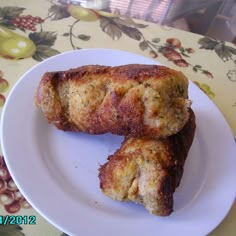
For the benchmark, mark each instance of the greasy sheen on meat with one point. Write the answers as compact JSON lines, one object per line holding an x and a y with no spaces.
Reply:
{"x":147,"y":171}
{"x":135,"y":100}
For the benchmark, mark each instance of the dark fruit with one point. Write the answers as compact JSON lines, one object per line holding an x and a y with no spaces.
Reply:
{"x":171,"y":54}
{"x":13,"y":207}
{"x":11,"y":186}
{"x":190,"y":50}
{"x":27,"y":22}
{"x":6,"y":197}
{"x":174,"y":42}
{"x":10,"y":197}
{"x":153,"y":54}
{"x":18,"y":196}
{"x":4,"y":173}
{"x":3,"y":185}
{"x":181,"y":63}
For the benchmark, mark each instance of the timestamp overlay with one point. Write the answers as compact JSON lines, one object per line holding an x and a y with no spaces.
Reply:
{"x":17,"y":220}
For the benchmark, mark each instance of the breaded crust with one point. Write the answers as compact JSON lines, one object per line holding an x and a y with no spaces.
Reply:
{"x":147,"y":171}
{"x":135,"y":100}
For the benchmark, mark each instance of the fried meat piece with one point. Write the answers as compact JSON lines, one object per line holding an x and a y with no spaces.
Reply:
{"x":135,"y":100}
{"x":147,"y":171}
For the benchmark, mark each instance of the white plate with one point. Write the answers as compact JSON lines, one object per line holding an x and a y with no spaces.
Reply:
{"x":57,"y":171}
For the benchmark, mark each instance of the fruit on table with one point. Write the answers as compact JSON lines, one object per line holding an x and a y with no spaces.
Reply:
{"x":18,"y":195}
{"x":190,"y":50}
{"x":107,"y":14}
{"x":83,"y":14}
{"x":174,"y":42}
{"x":4,"y":173}
{"x":153,"y":54}
{"x":7,"y":197}
{"x":15,"y":46}
{"x":2,"y":101}
{"x":3,"y":186}
{"x":3,"y":85}
{"x":27,"y":22}
{"x":171,"y":54}
{"x":11,"y":185}
{"x":10,"y":197}
{"x":13,"y":207}
{"x":181,"y":63}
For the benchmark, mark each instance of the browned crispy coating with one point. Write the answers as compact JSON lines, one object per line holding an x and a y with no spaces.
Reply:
{"x":147,"y":171}
{"x":135,"y":100}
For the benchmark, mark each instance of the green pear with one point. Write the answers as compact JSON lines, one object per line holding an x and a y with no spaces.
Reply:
{"x":83,"y":14}
{"x":15,"y":46}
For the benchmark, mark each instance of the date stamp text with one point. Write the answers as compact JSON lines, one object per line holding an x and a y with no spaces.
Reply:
{"x":17,"y":220}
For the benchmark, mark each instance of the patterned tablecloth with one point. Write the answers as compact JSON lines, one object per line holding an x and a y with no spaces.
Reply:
{"x":31,"y":31}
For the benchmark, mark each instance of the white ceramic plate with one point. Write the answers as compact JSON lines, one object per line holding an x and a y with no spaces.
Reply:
{"x":57,"y":171}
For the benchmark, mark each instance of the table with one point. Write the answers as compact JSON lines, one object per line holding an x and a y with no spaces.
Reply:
{"x":46,"y":28}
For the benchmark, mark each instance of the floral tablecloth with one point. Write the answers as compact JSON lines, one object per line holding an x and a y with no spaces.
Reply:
{"x":31,"y":31}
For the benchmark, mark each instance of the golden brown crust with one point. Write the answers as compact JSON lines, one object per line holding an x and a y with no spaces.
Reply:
{"x":134,"y":100}
{"x":147,"y":171}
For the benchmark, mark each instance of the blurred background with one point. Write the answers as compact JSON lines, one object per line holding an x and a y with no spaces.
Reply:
{"x":213,"y":18}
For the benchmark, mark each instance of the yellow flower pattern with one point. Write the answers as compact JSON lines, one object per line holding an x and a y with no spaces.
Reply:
{"x":206,"y":89}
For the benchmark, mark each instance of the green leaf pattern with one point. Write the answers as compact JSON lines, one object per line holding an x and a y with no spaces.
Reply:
{"x":223,"y":51}
{"x":84,"y":37}
{"x":43,"y":41}
{"x":58,"y":12}
{"x":43,"y":38}
{"x":110,"y":28}
{"x":9,"y":13}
